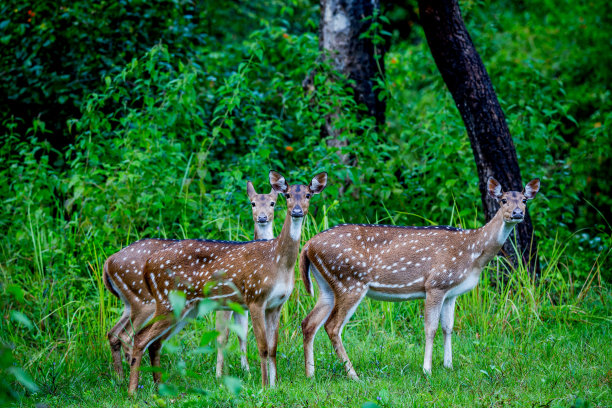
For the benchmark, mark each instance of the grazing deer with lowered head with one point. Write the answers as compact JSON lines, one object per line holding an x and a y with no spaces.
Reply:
{"x":256,"y":274}
{"x":123,"y":277}
{"x":263,"y":216}
{"x":395,"y":264}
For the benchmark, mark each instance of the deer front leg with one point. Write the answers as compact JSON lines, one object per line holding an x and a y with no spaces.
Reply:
{"x":433,"y":306}
{"x":272,"y":321}
{"x":345,"y":306}
{"x":447,"y":318}
{"x":311,"y":325}
{"x":259,"y":330}
{"x":140,"y":314}
{"x":243,"y":322}
{"x":223,"y":318}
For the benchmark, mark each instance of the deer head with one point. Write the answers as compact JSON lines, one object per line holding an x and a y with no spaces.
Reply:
{"x":512,"y":203}
{"x":298,"y":196}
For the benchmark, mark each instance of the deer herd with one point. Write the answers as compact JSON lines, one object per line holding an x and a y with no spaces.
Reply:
{"x":348,"y":262}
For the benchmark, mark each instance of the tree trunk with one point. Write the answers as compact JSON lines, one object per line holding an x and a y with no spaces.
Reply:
{"x":342,"y":23}
{"x":471,"y":88}
{"x":359,"y":59}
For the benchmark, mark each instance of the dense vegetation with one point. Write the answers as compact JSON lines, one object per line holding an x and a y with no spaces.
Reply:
{"x":131,"y":119}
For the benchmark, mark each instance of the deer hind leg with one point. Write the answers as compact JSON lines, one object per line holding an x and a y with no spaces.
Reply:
{"x":259,"y":330}
{"x":140,"y":314}
{"x":142,"y":341}
{"x":222,"y":321}
{"x":433,"y":306}
{"x":345,"y":306}
{"x":155,"y":347}
{"x":243,"y":322}
{"x":155,"y":357}
{"x":272,"y":322}
{"x":447,"y":318}
{"x":315,"y":319}
{"x":114,"y":341}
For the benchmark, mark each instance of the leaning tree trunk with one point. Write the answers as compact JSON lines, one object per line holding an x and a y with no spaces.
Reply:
{"x":471,"y":88}
{"x":359,"y":59}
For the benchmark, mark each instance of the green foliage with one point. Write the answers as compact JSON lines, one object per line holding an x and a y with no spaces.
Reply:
{"x":556,"y":104}
{"x":9,"y":371}
{"x":57,"y":53}
{"x":172,"y":109}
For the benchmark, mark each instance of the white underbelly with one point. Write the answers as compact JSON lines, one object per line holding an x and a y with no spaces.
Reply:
{"x":394,"y":297}
{"x":468,"y":284}
{"x":279,"y":295}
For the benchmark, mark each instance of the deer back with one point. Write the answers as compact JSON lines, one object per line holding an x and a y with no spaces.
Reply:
{"x":215,"y":269}
{"x":123,"y":269}
{"x":391,"y":259}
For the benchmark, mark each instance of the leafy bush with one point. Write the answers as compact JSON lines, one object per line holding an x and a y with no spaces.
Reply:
{"x":168,"y":133}
{"x":57,"y":53}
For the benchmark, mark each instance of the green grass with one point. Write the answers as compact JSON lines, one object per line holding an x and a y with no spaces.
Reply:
{"x":551,"y":366}
{"x":517,"y":344}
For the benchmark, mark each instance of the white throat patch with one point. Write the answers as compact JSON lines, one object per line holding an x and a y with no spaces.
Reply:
{"x":265,"y":230}
{"x":296,"y":228}
{"x":504,"y":232}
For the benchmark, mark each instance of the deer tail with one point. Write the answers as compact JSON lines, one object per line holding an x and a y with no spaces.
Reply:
{"x":106,"y":280}
{"x":304,"y":269}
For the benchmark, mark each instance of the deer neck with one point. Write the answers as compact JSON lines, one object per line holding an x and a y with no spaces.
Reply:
{"x":288,"y":242}
{"x":264,"y":231}
{"x":492,"y":236}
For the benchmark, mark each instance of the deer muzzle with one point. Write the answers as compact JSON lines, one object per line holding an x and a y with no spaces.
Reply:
{"x":297,"y":212}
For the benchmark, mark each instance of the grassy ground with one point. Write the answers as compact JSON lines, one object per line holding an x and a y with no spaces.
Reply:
{"x":557,"y":360}
{"x":519,"y":343}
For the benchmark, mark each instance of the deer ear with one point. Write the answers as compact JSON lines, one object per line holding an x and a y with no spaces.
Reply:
{"x":494,"y":188}
{"x":531,"y":189}
{"x":273,"y":193}
{"x":318,"y":183}
{"x":278,"y":182}
{"x":250,"y":190}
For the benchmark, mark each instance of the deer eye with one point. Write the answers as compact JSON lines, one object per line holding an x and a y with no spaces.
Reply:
{"x":287,"y":195}
{"x":524,"y":201}
{"x":272,"y":204}
{"x":504,"y":201}
{"x":252,"y":204}
{"x":307,"y":195}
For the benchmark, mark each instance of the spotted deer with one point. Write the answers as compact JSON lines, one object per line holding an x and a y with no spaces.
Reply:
{"x":255,"y":274}
{"x":390,"y":263}
{"x":263,"y":216}
{"x":123,"y":277}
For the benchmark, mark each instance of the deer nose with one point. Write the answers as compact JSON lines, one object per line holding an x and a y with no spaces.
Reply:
{"x":517,"y":214}
{"x":262,"y":218}
{"x":297,"y":211}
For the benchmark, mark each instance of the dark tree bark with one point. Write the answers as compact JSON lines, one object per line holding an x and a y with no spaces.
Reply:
{"x":341,"y":25}
{"x":467,"y":80}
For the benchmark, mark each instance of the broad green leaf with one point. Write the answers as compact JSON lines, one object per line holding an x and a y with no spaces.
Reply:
{"x":23,"y":378}
{"x":21,"y":318}
{"x":177,"y":301}
{"x":233,"y":384}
